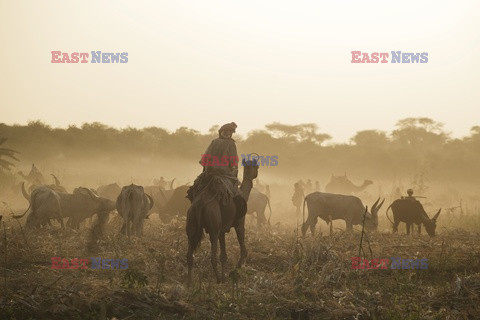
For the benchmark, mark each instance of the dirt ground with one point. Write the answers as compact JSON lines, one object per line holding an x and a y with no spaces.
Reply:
{"x":285,"y":276}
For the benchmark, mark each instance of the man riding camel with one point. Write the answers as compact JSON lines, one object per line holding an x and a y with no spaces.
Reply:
{"x":221,"y":155}
{"x":220,"y":160}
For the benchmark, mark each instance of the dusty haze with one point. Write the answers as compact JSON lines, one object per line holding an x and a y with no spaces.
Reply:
{"x":246,"y":62}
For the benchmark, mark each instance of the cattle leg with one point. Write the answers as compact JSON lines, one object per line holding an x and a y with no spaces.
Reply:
{"x":213,"y":256}
{"x":349,"y":225}
{"x":395,"y":225}
{"x":240,"y":230}
{"x":310,"y":221}
{"x":313,"y":224}
{"x":304,"y":228}
{"x":409,"y":225}
{"x":261,"y":219}
{"x":141,"y":228}
{"x":60,"y":217}
{"x":223,"y":255}
{"x":420,"y":228}
{"x":138,"y":226}
{"x":127,"y":224}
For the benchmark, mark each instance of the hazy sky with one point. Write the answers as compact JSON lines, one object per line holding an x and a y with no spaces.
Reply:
{"x":200,"y":63}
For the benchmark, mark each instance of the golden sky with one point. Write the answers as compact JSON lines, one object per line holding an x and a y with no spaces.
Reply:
{"x":201,"y":63}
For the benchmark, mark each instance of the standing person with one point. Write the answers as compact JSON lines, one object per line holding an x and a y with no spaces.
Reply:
{"x":301,"y":184}
{"x":297,"y":197}
{"x":317,"y":186}
{"x":161,"y":183}
{"x":397,"y":194}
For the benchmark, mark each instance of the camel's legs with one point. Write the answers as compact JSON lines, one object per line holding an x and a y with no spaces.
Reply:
{"x":240,"y":230}
{"x":223,"y":254}
{"x":213,"y":257}
{"x":190,"y":261}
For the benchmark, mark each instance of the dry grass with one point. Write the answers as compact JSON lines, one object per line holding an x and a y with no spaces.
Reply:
{"x":285,"y":276}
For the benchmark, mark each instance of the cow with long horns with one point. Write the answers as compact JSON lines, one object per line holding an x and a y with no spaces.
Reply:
{"x":329,"y":206}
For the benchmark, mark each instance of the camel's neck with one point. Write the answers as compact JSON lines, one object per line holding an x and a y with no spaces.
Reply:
{"x":246,"y":187}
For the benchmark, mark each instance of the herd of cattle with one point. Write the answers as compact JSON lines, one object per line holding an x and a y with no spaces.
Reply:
{"x":135,"y":203}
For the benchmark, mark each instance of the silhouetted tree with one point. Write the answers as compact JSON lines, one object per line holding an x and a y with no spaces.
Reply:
{"x":419,"y":133}
{"x":306,"y":132}
{"x":370,"y":138}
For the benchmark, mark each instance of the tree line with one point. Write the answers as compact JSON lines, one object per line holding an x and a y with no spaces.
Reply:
{"x":414,"y":146}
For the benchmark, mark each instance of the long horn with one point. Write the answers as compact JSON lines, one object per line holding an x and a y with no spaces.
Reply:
{"x":171,"y":184}
{"x":436,"y":215}
{"x":24,"y":192}
{"x":57,"y":182}
{"x":375,"y":205}
{"x":377,"y":208}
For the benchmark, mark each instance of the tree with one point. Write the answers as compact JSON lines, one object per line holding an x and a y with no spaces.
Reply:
{"x":475,"y":130}
{"x":419,"y":133}
{"x":304,"y":132}
{"x":214,"y":130}
{"x":370,"y":138}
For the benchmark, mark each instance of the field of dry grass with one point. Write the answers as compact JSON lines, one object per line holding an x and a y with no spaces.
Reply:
{"x":285,"y":277}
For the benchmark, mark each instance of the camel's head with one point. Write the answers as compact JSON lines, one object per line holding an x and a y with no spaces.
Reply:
{"x":250,"y":168}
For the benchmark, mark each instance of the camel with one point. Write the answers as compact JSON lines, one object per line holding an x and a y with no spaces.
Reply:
{"x":217,"y":218}
{"x":342,"y":185}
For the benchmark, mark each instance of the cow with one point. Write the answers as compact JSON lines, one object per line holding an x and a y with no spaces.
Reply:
{"x":44,"y":205}
{"x":133,"y":205}
{"x":49,"y":204}
{"x":257,"y":202}
{"x":330,"y":206}
{"x":411,"y":211}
